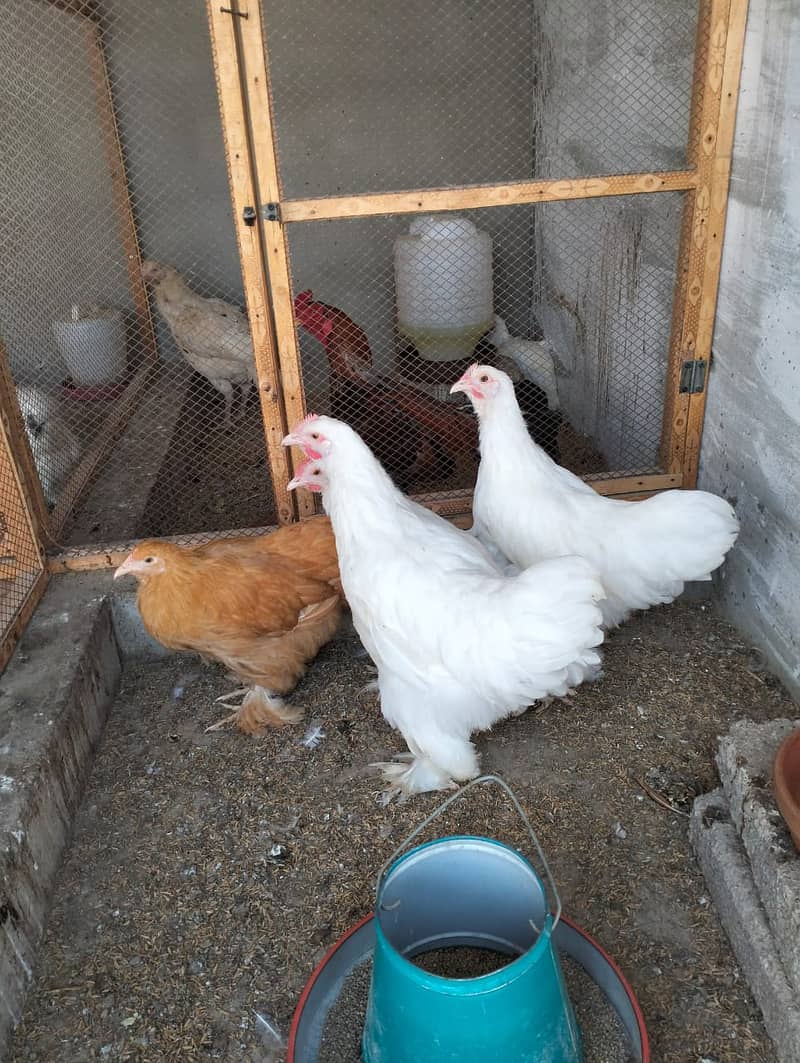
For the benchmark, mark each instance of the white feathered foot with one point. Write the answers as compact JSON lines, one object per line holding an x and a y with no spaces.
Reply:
{"x":416,"y":773}
{"x":592,"y":674}
{"x":407,"y":774}
{"x":258,"y":710}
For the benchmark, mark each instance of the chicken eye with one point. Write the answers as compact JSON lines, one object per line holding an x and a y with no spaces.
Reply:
{"x":149,"y":560}
{"x":485,"y":378}
{"x":316,"y":472}
{"x":315,"y":435}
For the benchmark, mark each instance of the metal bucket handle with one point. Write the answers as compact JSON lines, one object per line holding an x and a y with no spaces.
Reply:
{"x":482,"y":780}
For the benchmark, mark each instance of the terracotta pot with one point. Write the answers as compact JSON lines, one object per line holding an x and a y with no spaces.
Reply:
{"x":786,"y":780}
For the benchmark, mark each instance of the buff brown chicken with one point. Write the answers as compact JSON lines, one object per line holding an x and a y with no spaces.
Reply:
{"x":262,"y":606}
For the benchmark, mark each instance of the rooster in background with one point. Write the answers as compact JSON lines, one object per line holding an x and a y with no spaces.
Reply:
{"x":213,"y":336}
{"x":414,"y":436}
{"x":533,"y":509}
{"x":263,"y":606}
{"x":458,"y":645}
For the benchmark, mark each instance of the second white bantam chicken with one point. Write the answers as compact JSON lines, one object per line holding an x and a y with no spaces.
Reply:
{"x":534,"y":509}
{"x":54,"y":445}
{"x":457,"y":644}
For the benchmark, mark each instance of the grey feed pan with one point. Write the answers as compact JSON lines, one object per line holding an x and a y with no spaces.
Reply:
{"x":325,"y":985}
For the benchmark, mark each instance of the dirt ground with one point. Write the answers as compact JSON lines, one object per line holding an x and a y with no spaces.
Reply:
{"x":172,"y":924}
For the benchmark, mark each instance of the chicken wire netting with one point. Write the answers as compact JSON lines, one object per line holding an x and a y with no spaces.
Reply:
{"x":380,"y":97}
{"x":573,"y":299}
{"x":136,"y":390}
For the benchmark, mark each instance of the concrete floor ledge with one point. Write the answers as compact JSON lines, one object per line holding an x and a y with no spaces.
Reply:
{"x":55,"y":697}
{"x":727,"y":872}
{"x":745,"y":760}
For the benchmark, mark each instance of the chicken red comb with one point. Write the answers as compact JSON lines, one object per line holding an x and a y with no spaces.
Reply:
{"x":300,"y":424}
{"x":313,"y":316}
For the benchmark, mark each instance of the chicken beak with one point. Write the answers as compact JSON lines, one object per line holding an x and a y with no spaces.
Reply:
{"x":294,"y":483}
{"x":291,"y":440}
{"x":125,"y":568}
{"x":463,"y":384}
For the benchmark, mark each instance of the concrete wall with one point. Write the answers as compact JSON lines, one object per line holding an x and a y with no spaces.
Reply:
{"x":751,"y":443}
{"x":612,"y":95}
{"x":58,"y":243}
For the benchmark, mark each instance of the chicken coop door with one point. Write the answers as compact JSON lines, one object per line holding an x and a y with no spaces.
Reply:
{"x":216,"y":217}
{"x":536,"y":184}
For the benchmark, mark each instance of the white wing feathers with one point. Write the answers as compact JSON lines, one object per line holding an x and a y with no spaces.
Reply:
{"x":508,"y":641}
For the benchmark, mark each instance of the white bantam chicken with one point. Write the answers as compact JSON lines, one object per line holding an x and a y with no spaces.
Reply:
{"x":458,"y":645}
{"x":533,"y":509}
{"x":532,"y":357}
{"x":54,"y":445}
{"x":213,"y":336}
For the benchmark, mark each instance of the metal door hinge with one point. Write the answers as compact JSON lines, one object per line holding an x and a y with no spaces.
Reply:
{"x":693,"y":377}
{"x":271,"y":211}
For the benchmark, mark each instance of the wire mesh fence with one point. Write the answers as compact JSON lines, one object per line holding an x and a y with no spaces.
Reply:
{"x":121,"y":295}
{"x":573,"y":299}
{"x":21,"y":562}
{"x":420,"y":95}
{"x":136,"y":384}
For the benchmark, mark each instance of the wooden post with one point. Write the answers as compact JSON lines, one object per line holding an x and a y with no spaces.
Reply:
{"x":224,"y":29}
{"x":500,"y":195}
{"x":718,"y":63}
{"x":255,"y":76}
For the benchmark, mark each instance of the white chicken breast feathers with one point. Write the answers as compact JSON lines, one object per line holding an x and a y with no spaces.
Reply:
{"x":458,"y":644}
{"x":534,"y":509}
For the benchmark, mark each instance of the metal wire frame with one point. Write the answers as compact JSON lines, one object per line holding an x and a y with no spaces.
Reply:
{"x":718,"y":53}
{"x":243,"y":81}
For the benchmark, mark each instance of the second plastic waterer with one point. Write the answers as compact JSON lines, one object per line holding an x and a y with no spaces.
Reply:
{"x":443,"y":284}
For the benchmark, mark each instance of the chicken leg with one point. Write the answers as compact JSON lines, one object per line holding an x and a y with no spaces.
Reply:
{"x":417,"y":773}
{"x":258,"y":710}
{"x":225,"y":388}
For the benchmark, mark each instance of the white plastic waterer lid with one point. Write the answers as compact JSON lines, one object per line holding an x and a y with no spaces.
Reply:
{"x":442,"y":226}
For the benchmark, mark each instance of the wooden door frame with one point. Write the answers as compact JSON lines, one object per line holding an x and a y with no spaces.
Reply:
{"x":720,"y":40}
{"x":241,"y":63}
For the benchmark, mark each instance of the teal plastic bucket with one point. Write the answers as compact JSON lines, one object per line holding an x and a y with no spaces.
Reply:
{"x":467,"y":891}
